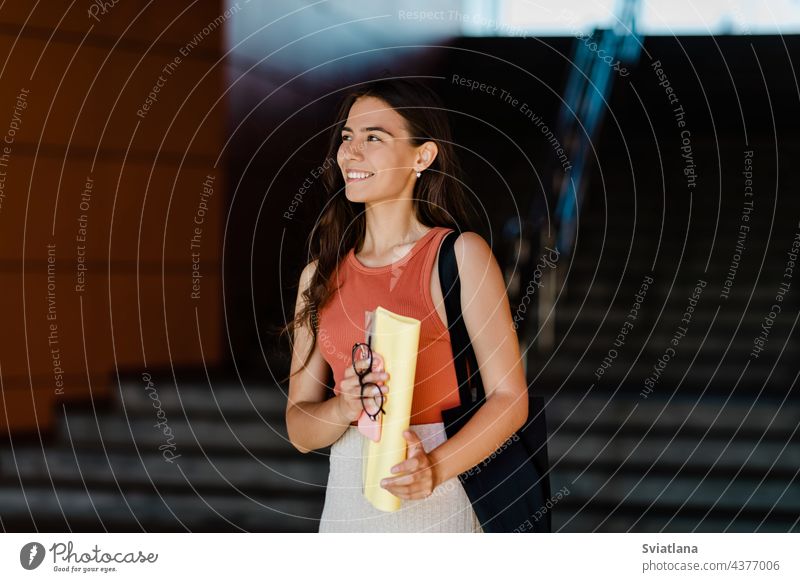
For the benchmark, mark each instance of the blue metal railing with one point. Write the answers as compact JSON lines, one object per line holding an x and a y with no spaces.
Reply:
{"x":597,"y":59}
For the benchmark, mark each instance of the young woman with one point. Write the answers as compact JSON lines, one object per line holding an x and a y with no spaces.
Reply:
{"x":376,"y":244}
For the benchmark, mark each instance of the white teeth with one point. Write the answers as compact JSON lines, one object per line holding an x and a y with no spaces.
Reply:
{"x":358,"y":175}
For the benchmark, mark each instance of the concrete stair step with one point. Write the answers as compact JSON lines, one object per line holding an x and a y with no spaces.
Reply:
{"x":604,"y":519}
{"x":597,"y":297}
{"x":188,"y":473}
{"x":670,"y":493}
{"x":715,"y":457}
{"x":222,"y":397}
{"x":772,"y":419}
{"x":714,"y":379}
{"x":609,"y":262}
{"x":713,"y":346}
{"x":42,"y":508}
{"x":84,"y":429}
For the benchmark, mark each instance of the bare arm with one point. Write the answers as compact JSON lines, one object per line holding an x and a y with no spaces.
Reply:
{"x":484,"y":304}
{"x":487,"y":316}
{"x":312,"y":422}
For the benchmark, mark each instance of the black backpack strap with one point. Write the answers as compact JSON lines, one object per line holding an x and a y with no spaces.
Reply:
{"x":470,"y":387}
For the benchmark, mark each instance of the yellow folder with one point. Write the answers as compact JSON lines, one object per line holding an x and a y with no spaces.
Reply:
{"x":396,"y":338}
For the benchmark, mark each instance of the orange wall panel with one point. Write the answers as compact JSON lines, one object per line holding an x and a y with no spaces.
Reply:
{"x":91,"y":97}
{"x":141,"y":22}
{"x":27,"y":409}
{"x":136,"y":328}
{"x":145,"y":211}
{"x":119,"y":191}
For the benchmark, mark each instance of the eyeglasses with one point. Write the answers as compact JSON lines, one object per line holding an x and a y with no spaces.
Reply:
{"x":362,"y":365}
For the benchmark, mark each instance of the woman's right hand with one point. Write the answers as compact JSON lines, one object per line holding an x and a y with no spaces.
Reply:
{"x":350,"y":390}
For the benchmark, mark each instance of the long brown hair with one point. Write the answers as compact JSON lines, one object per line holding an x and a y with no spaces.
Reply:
{"x":439,"y":198}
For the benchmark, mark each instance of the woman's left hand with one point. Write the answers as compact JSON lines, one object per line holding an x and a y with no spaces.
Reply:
{"x":419,"y":479}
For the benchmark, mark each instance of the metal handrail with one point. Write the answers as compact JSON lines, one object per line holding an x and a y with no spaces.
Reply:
{"x":578,"y":124}
{"x":583,"y":110}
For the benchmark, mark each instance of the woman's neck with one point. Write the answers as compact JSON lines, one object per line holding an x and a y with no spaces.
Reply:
{"x":387,"y":229}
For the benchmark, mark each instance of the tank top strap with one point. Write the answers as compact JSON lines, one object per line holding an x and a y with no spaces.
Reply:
{"x":430,"y":256}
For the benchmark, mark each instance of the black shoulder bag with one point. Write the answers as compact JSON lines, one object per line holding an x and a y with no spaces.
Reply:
{"x":509,"y":489}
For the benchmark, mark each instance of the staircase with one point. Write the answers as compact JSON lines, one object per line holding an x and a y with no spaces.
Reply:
{"x":711,"y":443}
{"x":104,"y":469}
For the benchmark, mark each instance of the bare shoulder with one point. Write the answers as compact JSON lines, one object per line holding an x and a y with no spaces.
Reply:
{"x":307,"y":274}
{"x":304,"y":284}
{"x":311,"y":268}
{"x":482,"y":283}
{"x":473,"y":254}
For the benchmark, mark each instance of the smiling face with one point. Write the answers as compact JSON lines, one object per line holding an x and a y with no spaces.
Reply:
{"x":377,"y":158}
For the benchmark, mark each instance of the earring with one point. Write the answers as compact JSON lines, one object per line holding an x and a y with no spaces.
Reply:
{"x":419,"y":174}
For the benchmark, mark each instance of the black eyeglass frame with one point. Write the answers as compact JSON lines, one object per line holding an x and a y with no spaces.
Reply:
{"x":362,"y":384}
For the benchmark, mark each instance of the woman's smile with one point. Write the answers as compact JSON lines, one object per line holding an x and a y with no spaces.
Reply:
{"x":352,"y":176}
{"x":376,"y":145}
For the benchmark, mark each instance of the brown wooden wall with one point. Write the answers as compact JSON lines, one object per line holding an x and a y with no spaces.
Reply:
{"x":80,"y":134}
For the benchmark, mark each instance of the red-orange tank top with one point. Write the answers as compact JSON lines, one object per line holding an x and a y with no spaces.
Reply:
{"x":404,"y":288}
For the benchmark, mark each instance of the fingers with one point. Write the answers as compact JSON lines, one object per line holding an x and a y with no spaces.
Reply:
{"x":371,"y":393}
{"x":409,"y":492}
{"x":418,"y":495}
{"x":416,"y":467}
{"x":377,"y":363}
{"x":414,"y":443}
{"x":351,"y":389}
{"x":375,"y":377}
{"x":417,"y":480}
{"x":409,"y":479}
{"x":418,"y":489}
{"x":410,"y":464}
{"x":350,"y":393}
{"x":350,"y":386}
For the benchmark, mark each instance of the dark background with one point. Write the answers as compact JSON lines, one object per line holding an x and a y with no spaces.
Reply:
{"x":712,"y":448}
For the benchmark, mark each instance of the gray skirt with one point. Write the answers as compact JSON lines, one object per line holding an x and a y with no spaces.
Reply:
{"x":447,"y":509}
